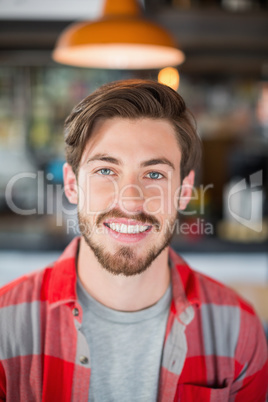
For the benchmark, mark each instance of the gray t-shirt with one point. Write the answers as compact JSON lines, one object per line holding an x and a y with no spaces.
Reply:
{"x":125,"y":349}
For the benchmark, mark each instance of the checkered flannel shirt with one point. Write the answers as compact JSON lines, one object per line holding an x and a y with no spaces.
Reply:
{"x":214,"y":350}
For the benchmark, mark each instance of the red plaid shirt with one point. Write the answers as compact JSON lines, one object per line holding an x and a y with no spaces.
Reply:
{"x":215,"y":348}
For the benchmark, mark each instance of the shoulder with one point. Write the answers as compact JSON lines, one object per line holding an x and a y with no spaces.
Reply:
{"x":230,"y":325}
{"x":22,"y":309}
{"x":224,"y":306}
{"x":26,"y":289}
{"x":213,"y":298}
{"x":230,"y":328}
{"x":207,"y":290}
{"x":215,"y":292}
{"x":224,"y":314}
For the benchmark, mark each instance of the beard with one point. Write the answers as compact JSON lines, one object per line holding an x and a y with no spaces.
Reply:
{"x":124,"y":260}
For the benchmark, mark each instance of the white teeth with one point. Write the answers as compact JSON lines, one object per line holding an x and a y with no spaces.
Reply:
{"x":123,"y":229}
{"x":143,"y":228}
{"x":128,"y":228}
{"x":113,"y":226}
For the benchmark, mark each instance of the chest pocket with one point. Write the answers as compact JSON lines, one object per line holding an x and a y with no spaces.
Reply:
{"x":193,"y":393}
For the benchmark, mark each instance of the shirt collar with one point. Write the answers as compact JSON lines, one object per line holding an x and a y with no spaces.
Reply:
{"x":62,"y":288}
{"x":184,"y":284}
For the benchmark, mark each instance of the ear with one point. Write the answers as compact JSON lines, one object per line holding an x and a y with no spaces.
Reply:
{"x":186,"y":190}
{"x":70,"y":184}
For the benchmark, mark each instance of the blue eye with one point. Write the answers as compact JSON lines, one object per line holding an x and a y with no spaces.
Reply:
{"x":155,"y":175}
{"x":105,"y":172}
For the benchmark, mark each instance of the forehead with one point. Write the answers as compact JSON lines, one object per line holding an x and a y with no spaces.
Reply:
{"x":123,"y":136}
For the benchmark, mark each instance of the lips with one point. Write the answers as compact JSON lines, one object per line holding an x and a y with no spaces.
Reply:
{"x":127,"y":231}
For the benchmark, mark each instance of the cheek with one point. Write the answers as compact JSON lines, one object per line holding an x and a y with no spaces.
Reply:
{"x":96,"y":194}
{"x":160,"y":199}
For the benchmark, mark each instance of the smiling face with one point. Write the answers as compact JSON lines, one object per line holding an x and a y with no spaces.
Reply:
{"x":127,"y":194}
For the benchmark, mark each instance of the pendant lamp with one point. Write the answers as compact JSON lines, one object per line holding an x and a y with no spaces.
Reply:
{"x":121,"y":39}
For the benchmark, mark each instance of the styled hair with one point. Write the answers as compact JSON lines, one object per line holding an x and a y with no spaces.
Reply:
{"x":133,"y":99}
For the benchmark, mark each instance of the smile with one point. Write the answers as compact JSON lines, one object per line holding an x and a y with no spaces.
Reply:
{"x":129,"y":229}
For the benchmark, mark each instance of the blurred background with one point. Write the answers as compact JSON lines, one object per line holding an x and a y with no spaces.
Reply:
{"x":224,"y":81}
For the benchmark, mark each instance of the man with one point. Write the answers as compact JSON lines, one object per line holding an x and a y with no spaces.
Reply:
{"x":120,"y":316}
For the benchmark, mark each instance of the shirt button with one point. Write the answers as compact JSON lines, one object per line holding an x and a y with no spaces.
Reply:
{"x":75,"y":312}
{"x":83,"y":359}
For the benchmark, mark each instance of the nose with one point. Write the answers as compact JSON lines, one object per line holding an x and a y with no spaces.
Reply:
{"x":131,"y":197}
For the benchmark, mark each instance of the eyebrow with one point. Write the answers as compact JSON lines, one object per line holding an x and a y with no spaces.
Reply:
{"x":158,"y":161}
{"x":105,"y":158}
{"x":115,"y":161}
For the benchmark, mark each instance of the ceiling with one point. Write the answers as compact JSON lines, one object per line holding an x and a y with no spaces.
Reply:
{"x":50,"y":9}
{"x":214,"y":40}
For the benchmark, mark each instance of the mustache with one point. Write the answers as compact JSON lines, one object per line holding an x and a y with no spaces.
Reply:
{"x":139,"y":217}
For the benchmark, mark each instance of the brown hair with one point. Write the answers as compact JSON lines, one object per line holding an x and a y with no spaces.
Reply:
{"x":133,"y":99}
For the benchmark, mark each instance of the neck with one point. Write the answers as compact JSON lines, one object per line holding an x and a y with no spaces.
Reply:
{"x":124,"y":293}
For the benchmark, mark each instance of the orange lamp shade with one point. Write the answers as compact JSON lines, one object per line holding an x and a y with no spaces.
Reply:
{"x":121,"y":39}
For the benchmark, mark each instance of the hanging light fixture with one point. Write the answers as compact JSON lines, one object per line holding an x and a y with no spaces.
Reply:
{"x":120,"y":39}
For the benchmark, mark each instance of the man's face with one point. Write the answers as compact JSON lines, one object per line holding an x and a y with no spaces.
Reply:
{"x":128,"y":190}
